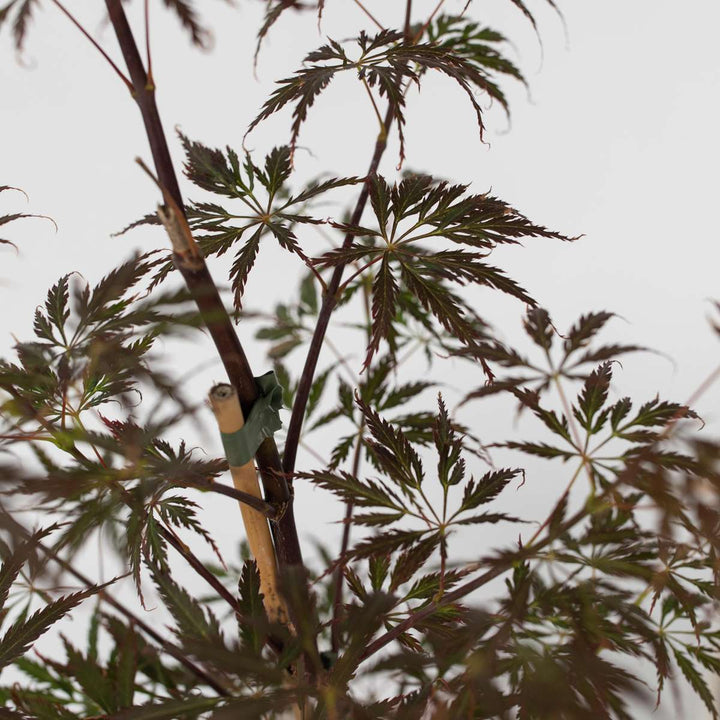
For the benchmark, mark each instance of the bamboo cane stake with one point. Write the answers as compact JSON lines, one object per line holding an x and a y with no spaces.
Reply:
{"x":228,"y":413}
{"x":226,"y":406}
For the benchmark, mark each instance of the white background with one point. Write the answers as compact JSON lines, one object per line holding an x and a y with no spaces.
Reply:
{"x":617,"y":141}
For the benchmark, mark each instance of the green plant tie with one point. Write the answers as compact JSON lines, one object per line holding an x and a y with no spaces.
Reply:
{"x":263,"y":421}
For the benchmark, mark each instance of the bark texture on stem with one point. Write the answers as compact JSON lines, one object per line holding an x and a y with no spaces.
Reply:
{"x":205,"y":293}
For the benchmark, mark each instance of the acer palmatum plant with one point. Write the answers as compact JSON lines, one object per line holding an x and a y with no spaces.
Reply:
{"x":419,"y":612}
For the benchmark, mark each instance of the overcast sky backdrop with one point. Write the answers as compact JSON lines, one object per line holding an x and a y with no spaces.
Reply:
{"x":617,"y":140}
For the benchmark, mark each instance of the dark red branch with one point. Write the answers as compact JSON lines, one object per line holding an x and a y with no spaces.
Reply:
{"x":206,"y":296}
{"x":330,"y":299}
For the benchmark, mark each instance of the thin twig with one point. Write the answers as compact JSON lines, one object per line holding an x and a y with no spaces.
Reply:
{"x":328,"y":305}
{"x":192,"y":560}
{"x":374,"y":104}
{"x":408,"y":15}
{"x":268,"y":510}
{"x":148,"y":53}
{"x":332,"y":295}
{"x":466,"y":589}
{"x":426,"y":24}
{"x":369,"y":14}
{"x":339,"y":570}
{"x":312,"y":451}
{"x":352,"y":375}
{"x":92,"y":40}
{"x":164,"y":644}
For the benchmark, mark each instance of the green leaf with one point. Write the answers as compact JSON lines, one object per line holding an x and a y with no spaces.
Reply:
{"x":13,"y":564}
{"x":317,"y":389}
{"x":462,"y":267}
{"x":411,"y":561}
{"x":308,"y":295}
{"x":23,"y":633}
{"x":441,"y":303}
{"x":192,"y":620}
{"x":278,"y":168}
{"x":540,"y":449}
{"x":364,"y":493}
{"x":696,"y":680}
{"x":377,"y":571}
{"x":254,"y":623}
{"x":387,"y":542}
{"x":90,"y":677}
{"x":316,"y":188}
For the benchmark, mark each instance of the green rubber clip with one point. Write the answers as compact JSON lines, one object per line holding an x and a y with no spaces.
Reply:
{"x":262,"y":422}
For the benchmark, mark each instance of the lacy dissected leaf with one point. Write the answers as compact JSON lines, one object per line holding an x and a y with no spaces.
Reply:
{"x":593,"y":397}
{"x":20,"y":636}
{"x":361,"y":623}
{"x":409,"y":562}
{"x":92,"y":348}
{"x":170,"y":709}
{"x":450,"y":466}
{"x":243,"y":264}
{"x":696,"y":680}
{"x":432,"y":212}
{"x":584,"y":330}
{"x":464,"y":267}
{"x":215,"y":171}
{"x":393,"y":451}
{"x":193,"y":622}
{"x":273,"y":11}
{"x":363,"y":493}
{"x":254,"y":622}
{"x":188,"y":16}
{"x":486,"y":489}
{"x":21,"y":12}
{"x":388,"y":541}
{"x":474,"y":43}
{"x":541,"y":450}
{"x":106,"y":688}
{"x":13,"y":564}
{"x":218,"y":230}
{"x":447,"y":308}
{"x":539,"y":327}
{"x":387,"y":61}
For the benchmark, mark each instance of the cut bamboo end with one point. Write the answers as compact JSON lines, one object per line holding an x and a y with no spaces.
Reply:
{"x":228,"y":413}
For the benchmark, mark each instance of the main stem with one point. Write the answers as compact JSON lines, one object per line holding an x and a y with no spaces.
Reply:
{"x":329,"y":302}
{"x":207,"y":298}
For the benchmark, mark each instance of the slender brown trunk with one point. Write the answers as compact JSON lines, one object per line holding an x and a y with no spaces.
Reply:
{"x":206,"y":296}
